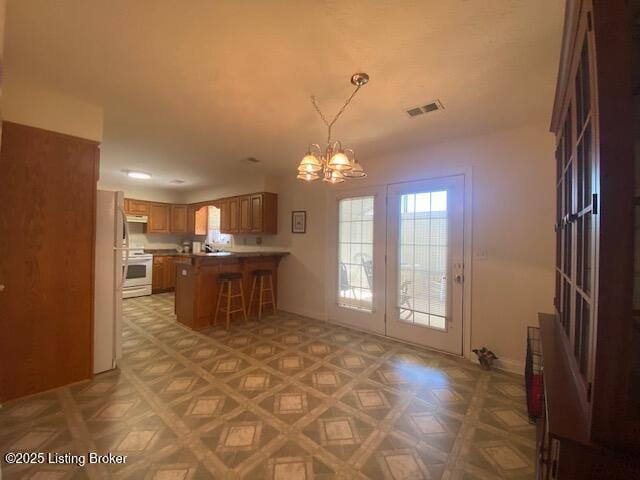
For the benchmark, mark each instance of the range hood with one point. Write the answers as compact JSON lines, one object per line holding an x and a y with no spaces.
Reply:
{"x":137,"y":218}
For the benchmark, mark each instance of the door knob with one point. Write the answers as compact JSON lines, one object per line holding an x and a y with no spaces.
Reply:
{"x":1,"y":288}
{"x":459,"y":278}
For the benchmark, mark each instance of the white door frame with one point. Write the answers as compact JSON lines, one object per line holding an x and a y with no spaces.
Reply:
{"x":425,"y":174}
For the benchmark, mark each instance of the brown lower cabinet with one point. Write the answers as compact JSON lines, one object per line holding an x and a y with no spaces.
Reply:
{"x":164,"y":273}
{"x":48,"y":184}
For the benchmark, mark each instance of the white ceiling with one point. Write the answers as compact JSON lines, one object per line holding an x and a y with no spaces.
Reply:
{"x":191,"y":88}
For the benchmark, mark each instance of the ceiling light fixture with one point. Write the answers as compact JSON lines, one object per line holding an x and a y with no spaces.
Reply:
{"x":335,"y":163}
{"x":138,"y":175}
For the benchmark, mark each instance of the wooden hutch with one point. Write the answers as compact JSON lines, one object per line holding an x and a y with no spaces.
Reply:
{"x":590,"y":427}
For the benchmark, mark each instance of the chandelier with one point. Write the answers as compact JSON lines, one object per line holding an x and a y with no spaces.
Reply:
{"x":335,"y":163}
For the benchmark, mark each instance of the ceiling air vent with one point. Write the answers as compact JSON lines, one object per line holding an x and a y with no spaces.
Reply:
{"x":429,"y":107}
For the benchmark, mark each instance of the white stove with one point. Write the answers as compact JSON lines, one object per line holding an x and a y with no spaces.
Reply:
{"x":139,"y":273}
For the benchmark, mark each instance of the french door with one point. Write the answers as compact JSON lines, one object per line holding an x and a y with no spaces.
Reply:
{"x":397,"y":266}
{"x":425,"y":270}
{"x":357,"y":247}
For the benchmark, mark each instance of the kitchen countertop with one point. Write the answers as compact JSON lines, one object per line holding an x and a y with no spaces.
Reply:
{"x":257,"y":253}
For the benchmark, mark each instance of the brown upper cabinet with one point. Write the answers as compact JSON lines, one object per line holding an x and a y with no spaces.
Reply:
{"x":202,"y":221}
{"x":198,"y":219}
{"x":225,"y":216}
{"x":178,"y":219}
{"x":159,"y":218}
{"x":245,"y":213}
{"x":136,"y":207}
{"x":255,"y":213}
{"x":234,"y":214}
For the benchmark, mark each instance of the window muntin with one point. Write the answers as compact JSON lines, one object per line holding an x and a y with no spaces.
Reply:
{"x":355,"y":253}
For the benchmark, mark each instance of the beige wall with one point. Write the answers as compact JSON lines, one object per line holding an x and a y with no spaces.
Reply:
{"x":250,"y":184}
{"x":512,"y":231}
{"x":38,"y":107}
{"x":144,"y":193}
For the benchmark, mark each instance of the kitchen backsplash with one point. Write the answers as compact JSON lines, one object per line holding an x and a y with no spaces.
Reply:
{"x":137,"y":236}
{"x":165,"y":241}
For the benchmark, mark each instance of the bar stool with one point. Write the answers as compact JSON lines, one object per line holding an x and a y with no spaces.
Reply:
{"x":262,"y":301}
{"x":225,"y":280}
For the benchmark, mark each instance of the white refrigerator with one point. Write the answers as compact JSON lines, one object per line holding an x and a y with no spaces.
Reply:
{"x":111,"y":262}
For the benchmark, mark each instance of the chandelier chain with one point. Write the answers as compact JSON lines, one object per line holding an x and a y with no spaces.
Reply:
{"x":324,"y":119}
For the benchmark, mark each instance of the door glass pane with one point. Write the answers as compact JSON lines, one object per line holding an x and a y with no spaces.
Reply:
{"x":355,"y":253}
{"x":423,"y":259}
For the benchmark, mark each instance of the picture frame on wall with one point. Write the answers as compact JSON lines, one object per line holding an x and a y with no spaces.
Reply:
{"x":299,"y":221}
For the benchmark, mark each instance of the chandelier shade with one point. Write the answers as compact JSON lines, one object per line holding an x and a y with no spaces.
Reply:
{"x":332,"y":163}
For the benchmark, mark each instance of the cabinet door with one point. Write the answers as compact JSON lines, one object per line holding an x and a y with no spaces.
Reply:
{"x":245,"y":213}
{"x":158,"y":274}
{"x":256,"y":213}
{"x":178,"y":218}
{"x":234,"y":215}
{"x":159,"y":218}
{"x":136,"y":207}
{"x":225,"y":216}
{"x":201,"y":221}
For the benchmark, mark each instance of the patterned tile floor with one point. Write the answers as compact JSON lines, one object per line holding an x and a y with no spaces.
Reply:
{"x":286,"y":398}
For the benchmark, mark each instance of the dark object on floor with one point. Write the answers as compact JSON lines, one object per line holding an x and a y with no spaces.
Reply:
{"x":485,"y":357}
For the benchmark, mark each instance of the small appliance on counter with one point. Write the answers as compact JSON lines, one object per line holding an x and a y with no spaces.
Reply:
{"x":197,"y":247}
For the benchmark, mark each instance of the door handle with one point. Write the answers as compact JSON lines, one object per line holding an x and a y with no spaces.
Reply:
{"x":1,"y":288}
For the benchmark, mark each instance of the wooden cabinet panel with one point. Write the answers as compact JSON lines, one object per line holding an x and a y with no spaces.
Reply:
{"x":256,"y":213}
{"x":201,"y":226}
{"x":164,"y":273}
{"x":591,"y":394}
{"x":158,"y":274}
{"x":178,"y":219}
{"x":159,"y":218}
{"x":245,"y":214}
{"x":136,"y":207}
{"x":225,"y":216}
{"x":48,"y":196}
{"x":234,"y":215}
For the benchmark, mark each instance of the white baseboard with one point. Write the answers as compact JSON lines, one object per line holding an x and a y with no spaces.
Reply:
{"x":304,"y":313}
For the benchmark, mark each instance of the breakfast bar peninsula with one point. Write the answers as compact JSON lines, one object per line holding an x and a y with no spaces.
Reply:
{"x":197,"y":286}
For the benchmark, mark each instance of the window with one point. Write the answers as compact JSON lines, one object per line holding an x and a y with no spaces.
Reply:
{"x":214,"y":236}
{"x":355,"y":253}
{"x":423,"y":253}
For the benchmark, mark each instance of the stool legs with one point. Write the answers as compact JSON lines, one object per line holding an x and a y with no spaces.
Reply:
{"x":215,"y":315}
{"x":262,"y":288}
{"x":228,"y":304}
{"x":253,"y":289}
{"x":229,"y":310}
{"x":244,"y":309}
{"x":273,"y":295}
{"x":260,"y":300}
